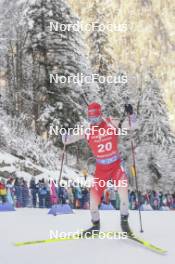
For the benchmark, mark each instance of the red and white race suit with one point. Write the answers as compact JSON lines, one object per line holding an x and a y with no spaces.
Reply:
{"x":103,"y":141}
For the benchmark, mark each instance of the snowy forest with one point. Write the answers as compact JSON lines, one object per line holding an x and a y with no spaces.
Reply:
{"x":29,"y":103}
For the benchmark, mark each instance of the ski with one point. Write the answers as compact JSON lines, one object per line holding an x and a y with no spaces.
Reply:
{"x":111,"y":234}
{"x":50,"y":240}
{"x":59,"y":239}
{"x":146,"y":244}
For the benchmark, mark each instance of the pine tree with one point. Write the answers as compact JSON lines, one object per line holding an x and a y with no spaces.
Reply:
{"x":100,"y":53}
{"x":13,"y":39}
{"x":154,"y":139}
{"x":154,"y":123}
{"x":55,"y":52}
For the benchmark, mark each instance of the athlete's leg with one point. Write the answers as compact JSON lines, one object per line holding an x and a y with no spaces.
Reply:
{"x":95,"y":216}
{"x":119,"y":175}
{"x":95,"y":198}
{"x":124,"y":204}
{"x":98,"y":186}
{"x":121,"y":181}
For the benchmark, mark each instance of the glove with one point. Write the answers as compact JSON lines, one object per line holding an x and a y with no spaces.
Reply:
{"x":129,"y":109}
{"x":120,"y":124}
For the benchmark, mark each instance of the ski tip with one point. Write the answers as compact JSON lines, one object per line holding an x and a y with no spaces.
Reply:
{"x":163,"y":251}
{"x":18,"y":244}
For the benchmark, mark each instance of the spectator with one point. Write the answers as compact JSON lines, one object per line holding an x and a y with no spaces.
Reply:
{"x":117,"y":201}
{"x":62,"y":194}
{"x":70,"y":197}
{"x":10,"y":190}
{"x":25,"y":193}
{"x":112,"y":197}
{"x":106,"y":197}
{"x":43,"y":194}
{"x":78,"y":197}
{"x":85,"y":198}
{"x":34,"y":191}
{"x":18,"y":192}
{"x":3,"y":191}
{"x":53,"y":192}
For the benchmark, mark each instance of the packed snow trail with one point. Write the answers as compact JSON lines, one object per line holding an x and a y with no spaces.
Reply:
{"x":35,"y":224}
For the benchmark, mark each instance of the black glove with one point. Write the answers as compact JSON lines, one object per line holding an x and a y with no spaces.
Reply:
{"x":120,"y":124}
{"x":129,"y":109}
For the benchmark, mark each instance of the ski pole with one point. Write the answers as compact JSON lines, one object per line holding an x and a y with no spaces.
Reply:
{"x":62,"y":160}
{"x":84,"y":96}
{"x":135,"y":176}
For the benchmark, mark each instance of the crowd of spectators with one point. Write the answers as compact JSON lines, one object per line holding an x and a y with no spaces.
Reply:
{"x":22,"y":194}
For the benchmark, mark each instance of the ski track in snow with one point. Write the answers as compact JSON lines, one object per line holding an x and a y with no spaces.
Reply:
{"x":35,"y":224}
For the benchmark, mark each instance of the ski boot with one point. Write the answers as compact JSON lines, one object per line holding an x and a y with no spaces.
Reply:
{"x":92,"y":231}
{"x":125,"y":225}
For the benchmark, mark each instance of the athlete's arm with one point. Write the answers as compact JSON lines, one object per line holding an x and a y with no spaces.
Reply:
{"x":122,"y":128}
{"x":70,"y":139}
{"x":114,"y":121}
{"x":125,"y":124}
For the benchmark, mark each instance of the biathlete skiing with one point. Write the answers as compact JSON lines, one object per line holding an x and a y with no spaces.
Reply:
{"x":103,"y":143}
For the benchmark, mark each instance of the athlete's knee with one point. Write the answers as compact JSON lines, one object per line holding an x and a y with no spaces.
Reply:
{"x":93,"y":205}
{"x":94,"y":202}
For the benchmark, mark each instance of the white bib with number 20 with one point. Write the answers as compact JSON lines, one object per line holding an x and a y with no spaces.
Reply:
{"x":104,"y":147}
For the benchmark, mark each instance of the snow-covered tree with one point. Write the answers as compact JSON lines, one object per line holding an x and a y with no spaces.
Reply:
{"x":54,"y":52}
{"x":100,"y":50}
{"x":154,"y":139}
{"x":13,"y":40}
{"x":154,"y":123}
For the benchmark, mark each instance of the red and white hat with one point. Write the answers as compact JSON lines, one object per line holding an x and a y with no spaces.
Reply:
{"x":94,"y":110}
{"x":94,"y":113}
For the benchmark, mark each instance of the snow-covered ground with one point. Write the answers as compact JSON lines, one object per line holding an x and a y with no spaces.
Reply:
{"x":35,"y":224}
{"x":11,"y":166}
